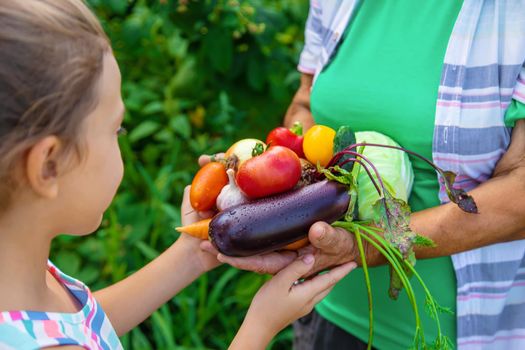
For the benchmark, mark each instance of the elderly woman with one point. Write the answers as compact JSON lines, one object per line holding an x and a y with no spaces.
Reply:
{"x":445,"y":79}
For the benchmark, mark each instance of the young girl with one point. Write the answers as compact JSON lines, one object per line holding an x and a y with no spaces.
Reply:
{"x":60,"y":166}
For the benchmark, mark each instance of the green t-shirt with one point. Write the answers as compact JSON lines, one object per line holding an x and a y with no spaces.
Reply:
{"x":385,"y":78}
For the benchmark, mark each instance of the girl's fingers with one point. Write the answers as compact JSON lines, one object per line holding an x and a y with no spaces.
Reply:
{"x":327,"y":280}
{"x":188,"y":214}
{"x":205,"y":158}
{"x":321,"y":295}
{"x":287,"y":276}
{"x":208,"y":247}
{"x":206,"y":214}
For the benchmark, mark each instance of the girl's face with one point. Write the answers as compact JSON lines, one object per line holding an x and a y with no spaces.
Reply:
{"x":86,"y":191}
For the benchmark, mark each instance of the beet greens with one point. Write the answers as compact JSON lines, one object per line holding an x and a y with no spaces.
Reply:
{"x":389,"y":232}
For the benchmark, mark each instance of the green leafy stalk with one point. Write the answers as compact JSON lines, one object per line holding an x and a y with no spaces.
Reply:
{"x":434,"y":307}
{"x":385,"y":249}
{"x":368,"y":288}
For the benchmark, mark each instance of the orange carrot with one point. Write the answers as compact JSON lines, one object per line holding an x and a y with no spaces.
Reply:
{"x":297,"y":244}
{"x":198,"y":229}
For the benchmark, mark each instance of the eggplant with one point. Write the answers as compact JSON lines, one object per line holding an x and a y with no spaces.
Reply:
{"x":273,"y":222}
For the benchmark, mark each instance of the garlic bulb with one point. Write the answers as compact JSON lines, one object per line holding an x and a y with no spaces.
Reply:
{"x":230,"y":194}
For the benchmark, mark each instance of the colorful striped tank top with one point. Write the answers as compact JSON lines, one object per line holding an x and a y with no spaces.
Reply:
{"x":89,"y":328}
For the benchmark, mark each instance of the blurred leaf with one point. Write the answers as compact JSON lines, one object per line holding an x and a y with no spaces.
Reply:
{"x":148,"y":252}
{"x":219,"y":46}
{"x":162,"y":330}
{"x":118,"y":6}
{"x":181,"y":126}
{"x":153,"y":107}
{"x":88,"y":274}
{"x":256,"y":75}
{"x":68,"y":262}
{"x":143,"y":130}
{"x":177,"y":46}
{"x":139,"y":341}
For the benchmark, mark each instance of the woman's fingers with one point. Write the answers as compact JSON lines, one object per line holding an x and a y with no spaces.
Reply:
{"x":270,"y":263}
{"x":205,"y":158}
{"x":329,"y":239}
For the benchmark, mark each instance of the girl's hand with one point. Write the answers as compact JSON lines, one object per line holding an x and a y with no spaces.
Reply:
{"x":282,"y":300}
{"x":206,"y":260}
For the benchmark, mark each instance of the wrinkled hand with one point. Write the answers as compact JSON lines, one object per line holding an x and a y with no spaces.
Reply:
{"x":330,"y":247}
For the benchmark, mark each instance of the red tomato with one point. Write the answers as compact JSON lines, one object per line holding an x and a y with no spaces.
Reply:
{"x":276,"y":170}
{"x":291,"y":138}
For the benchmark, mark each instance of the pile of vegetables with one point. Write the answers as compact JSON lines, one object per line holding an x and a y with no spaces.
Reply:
{"x":268,"y":194}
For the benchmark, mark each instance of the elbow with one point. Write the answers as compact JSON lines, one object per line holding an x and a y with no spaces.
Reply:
{"x":518,"y":210}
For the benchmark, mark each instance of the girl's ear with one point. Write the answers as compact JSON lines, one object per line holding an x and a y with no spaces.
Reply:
{"x":41,"y":167}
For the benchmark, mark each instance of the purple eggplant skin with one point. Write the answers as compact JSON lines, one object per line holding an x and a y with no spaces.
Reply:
{"x":273,"y":222}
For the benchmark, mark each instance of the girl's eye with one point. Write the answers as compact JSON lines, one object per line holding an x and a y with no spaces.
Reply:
{"x":121,"y":131}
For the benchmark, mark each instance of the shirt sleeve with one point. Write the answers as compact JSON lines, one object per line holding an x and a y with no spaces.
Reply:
{"x":515,"y":112}
{"x":312,"y":39}
{"x":516,"y":109}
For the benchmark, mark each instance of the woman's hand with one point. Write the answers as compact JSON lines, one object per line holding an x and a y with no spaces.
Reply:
{"x":281,"y":300}
{"x":330,"y":247}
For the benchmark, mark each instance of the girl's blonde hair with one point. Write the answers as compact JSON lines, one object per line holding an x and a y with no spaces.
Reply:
{"x":51,"y":54}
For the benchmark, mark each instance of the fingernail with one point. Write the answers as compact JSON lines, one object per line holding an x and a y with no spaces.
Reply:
{"x":308,"y":259}
{"x":352,"y":266}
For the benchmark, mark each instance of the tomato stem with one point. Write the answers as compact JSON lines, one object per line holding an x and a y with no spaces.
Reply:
{"x":258,"y":149}
{"x":297,"y":129}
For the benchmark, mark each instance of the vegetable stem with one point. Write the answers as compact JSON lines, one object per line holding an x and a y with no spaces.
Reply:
{"x":426,"y":160}
{"x":386,"y":250}
{"x":297,"y":128}
{"x":379,"y":179}
{"x":374,"y":182}
{"x":430,"y":298}
{"x":368,"y":288}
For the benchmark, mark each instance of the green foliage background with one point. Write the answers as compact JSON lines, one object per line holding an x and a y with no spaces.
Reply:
{"x":197,"y":76}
